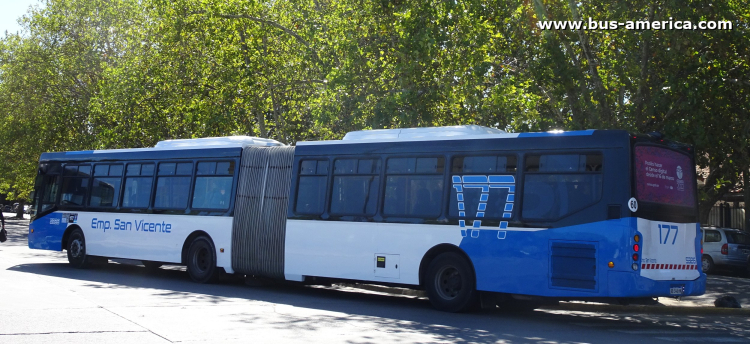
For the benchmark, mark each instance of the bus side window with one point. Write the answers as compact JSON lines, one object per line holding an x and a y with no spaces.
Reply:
{"x":49,"y":186}
{"x":311,"y":188}
{"x":105,"y":191}
{"x":558,"y":185}
{"x":173,"y":185}
{"x":483,"y":165}
{"x":75,"y":185}
{"x":356,"y":183}
{"x":138,"y":181}
{"x":414,"y":187}
{"x":213,"y":185}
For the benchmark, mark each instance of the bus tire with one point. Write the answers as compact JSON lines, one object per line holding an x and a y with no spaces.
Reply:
{"x":201,"y":260}
{"x":450,"y":283}
{"x":707,"y":264}
{"x":77,"y":250}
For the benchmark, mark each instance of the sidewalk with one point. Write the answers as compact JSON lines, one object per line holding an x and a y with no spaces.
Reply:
{"x":717,"y":285}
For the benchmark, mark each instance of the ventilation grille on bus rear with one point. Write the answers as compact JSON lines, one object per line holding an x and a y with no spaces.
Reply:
{"x":573,"y":265}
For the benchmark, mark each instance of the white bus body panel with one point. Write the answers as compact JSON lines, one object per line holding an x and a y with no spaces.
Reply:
{"x":348,"y":250}
{"x":122,"y":235}
{"x":668,"y":250}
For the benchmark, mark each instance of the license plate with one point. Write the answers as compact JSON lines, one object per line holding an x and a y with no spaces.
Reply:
{"x":675,"y":291}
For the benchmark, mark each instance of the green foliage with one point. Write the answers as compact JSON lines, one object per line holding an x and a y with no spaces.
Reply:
{"x":89,"y":74}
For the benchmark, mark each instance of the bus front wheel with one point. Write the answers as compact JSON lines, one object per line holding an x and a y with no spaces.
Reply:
{"x":201,"y":261}
{"x":450,"y":283}
{"x":77,"y":250}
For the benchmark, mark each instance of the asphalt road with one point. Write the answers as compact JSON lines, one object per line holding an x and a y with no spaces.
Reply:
{"x":43,"y":300}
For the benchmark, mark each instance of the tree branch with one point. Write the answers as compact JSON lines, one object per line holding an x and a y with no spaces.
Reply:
{"x":267,"y":22}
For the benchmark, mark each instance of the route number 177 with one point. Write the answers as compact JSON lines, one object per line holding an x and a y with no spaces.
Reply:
{"x":665,"y":231}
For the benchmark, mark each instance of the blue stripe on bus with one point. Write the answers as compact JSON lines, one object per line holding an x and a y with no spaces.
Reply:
{"x":514,"y":260}
{"x":46,"y":233}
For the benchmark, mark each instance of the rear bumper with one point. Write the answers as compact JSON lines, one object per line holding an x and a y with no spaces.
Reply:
{"x":628,"y":284}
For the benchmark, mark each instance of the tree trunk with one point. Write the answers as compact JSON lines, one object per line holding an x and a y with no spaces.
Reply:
{"x":704,"y":208}
{"x":712,"y":194}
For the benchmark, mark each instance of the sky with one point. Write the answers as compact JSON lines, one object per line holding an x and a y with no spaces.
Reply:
{"x":10,"y":11}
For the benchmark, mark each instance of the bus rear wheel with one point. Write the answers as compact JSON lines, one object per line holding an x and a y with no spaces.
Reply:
{"x":77,"y":250}
{"x":201,"y":261}
{"x":450,"y":283}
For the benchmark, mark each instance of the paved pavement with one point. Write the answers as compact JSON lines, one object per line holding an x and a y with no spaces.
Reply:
{"x":43,"y":300}
{"x":720,"y":284}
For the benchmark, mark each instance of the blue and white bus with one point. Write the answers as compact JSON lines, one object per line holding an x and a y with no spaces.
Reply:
{"x":465,"y":213}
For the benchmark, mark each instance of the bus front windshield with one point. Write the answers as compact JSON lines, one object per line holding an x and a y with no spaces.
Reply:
{"x":664,"y":176}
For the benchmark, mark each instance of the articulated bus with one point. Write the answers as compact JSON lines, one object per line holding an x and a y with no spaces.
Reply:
{"x":466,"y":213}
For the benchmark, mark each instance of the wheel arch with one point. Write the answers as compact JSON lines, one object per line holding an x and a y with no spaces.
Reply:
{"x":436,"y":251}
{"x":66,"y":235}
{"x":189,"y":240}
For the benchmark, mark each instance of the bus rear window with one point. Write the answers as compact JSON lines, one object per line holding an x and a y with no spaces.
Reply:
{"x":664,"y":176}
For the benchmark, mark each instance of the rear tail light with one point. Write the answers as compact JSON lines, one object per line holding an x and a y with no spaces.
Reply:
{"x":725,"y":249}
{"x":636,"y":248}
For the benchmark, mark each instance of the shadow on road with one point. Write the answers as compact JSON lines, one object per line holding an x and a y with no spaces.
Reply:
{"x":392,"y":313}
{"x":17,"y":232}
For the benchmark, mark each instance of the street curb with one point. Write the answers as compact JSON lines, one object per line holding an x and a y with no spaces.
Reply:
{"x":582,"y":307}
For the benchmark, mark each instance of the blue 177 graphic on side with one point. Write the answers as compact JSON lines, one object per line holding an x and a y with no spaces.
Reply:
{"x":485,"y":183}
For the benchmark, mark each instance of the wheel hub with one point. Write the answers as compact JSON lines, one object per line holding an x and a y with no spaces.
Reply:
{"x":76,"y":248}
{"x":201,"y":259}
{"x":448,"y":282}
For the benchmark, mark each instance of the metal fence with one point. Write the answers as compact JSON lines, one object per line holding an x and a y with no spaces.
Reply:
{"x":727,"y":215}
